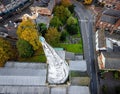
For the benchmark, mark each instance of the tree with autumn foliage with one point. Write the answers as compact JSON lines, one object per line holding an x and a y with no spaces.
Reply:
{"x":66,"y":3}
{"x":52,"y":36}
{"x":87,"y":2}
{"x":6,"y":51}
{"x":27,"y":31}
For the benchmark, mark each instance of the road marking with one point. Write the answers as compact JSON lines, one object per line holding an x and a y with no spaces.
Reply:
{"x":86,"y":20}
{"x":83,"y":20}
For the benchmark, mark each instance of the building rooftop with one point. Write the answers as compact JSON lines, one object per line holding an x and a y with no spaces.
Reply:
{"x":70,"y":90}
{"x":14,"y":76}
{"x":78,"y":90}
{"x":78,"y":65}
{"x":109,"y":19}
{"x":100,"y":35}
{"x":44,"y":90}
{"x":25,"y":65}
{"x":5,"y":2}
{"x":112,"y":36}
{"x":112,"y":55}
{"x":43,"y":19}
{"x":24,"y":89}
{"x":109,"y":45}
{"x":3,"y":29}
{"x":58,"y":90}
{"x":112,"y":60}
{"x":51,"y":5}
{"x":112,"y":12}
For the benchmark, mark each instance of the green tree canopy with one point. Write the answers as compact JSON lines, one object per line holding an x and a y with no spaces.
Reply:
{"x":72,"y":29}
{"x":6,"y":51}
{"x":72,"y":26}
{"x":71,"y":8}
{"x":52,"y":36}
{"x":63,"y":35}
{"x":55,"y":22}
{"x":71,"y":21}
{"x":42,"y":28}
{"x":24,"y":48}
{"x":62,"y":13}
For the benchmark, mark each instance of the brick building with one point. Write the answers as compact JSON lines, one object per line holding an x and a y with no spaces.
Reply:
{"x":109,"y":20}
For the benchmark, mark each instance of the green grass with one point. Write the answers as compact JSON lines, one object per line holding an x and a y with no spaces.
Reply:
{"x":40,"y":58}
{"x":75,"y":48}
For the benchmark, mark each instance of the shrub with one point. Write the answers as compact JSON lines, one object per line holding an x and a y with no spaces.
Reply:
{"x":24,"y":48}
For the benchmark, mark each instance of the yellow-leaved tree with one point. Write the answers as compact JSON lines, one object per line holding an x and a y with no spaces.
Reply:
{"x":27,"y":31}
{"x":52,"y":36}
{"x":6,"y":51}
{"x":66,"y":3}
{"x":87,"y":2}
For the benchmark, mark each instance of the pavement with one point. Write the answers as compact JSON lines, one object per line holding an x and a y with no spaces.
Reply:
{"x":86,"y":21}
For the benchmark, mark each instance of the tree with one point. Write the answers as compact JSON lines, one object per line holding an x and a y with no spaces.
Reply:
{"x":72,"y":29}
{"x":24,"y":48}
{"x":6,"y":51}
{"x":87,"y":2}
{"x":71,"y":8}
{"x":72,"y":26}
{"x":63,"y":35}
{"x":71,"y":21}
{"x":66,"y":3}
{"x":42,"y":28}
{"x":62,"y":13}
{"x":27,"y":31}
{"x":52,"y":36}
{"x":55,"y":22}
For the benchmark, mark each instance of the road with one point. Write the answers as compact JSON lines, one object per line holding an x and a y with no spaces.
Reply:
{"x":86,"y":20}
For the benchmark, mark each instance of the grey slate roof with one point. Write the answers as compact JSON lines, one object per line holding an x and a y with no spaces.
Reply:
{"x":69,"y":56}
{"x":13,"y":76}
{"x":78,"y":57}
{"x":112,"y":12}
{"x":78,"y":65}
{"x":109,"y":19}
{"x":43,"y":19}
{"x":44,"y":2}
{"x":112,"y":60}
{"x":3,"y":29}
{"x":24,"y":90}
{"x":116,"y":48}
{"x":25,"y":65}
{"x":5,"y":2}
{"x":78,"y":90}
{"x":101,"y":39}
{"x":12,"y":32}
{"x":58,"y":90}
{"x":51,"y":5}
{"x":112,"y":55}
{"x":44,"y":90}
{"x":109,"y":45}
